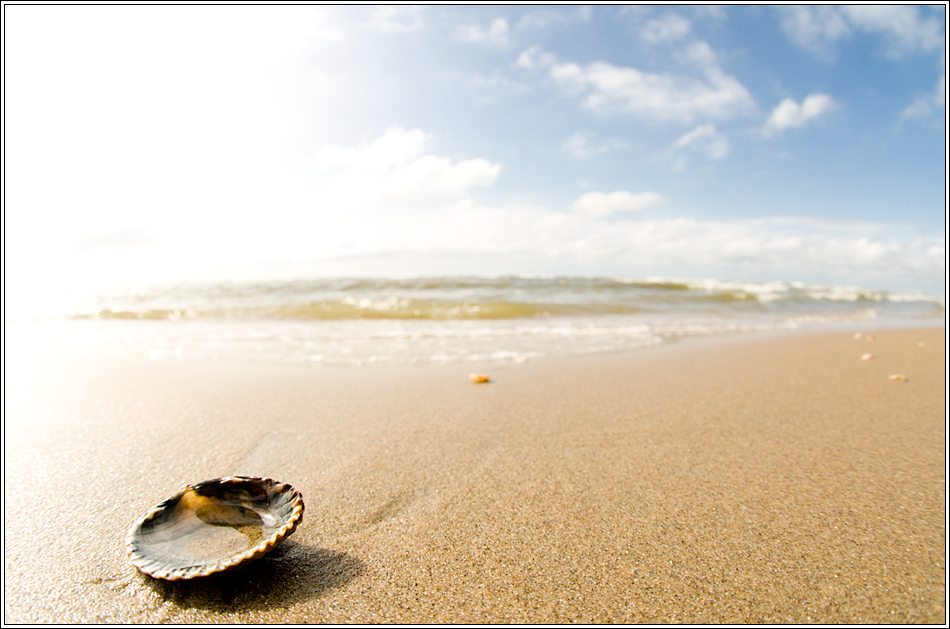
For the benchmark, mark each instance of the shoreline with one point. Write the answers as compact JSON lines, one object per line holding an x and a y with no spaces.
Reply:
{"x":29,"y":341}
{"x":724,"y":479}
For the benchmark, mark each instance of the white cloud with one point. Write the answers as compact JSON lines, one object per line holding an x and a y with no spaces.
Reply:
{"x":666,"y":29}
{"x":902,"y":25}
{"x":923,"y":107}
{"x":790,"y":114}
{"x":818,"y":28}
{"x":814,"y":28}
{"x":619,"y":90}
{"x":920,"y":108}
{"x":662,"y":96}
{"x":582,"y":145}
{"x":496,"y":35}
{"x":700,"y":54}
{"x":600,"y":204}
{"x":705,"y":139}
{"x":533,"y":58}
{"x":395,"y":168}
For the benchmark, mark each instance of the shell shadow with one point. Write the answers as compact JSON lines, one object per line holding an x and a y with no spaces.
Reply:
{"x":289,"y":574}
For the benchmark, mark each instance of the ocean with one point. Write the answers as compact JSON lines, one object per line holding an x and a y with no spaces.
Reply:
{"x":446,"y":320}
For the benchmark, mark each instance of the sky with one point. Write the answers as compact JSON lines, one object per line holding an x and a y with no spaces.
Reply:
{"x":191,"y":143}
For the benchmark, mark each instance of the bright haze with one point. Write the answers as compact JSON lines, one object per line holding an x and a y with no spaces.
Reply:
{"x":190,"y":143}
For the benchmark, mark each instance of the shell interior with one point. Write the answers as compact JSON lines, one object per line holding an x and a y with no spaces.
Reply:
{"x":214,"y":526}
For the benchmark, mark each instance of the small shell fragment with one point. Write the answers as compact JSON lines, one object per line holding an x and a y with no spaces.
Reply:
{"x":897,"y":377}
{"x":857,"y":336}
{"x":867,"y":356}
{"x":479,"y":377}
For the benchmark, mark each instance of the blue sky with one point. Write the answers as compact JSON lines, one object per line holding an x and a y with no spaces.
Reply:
{"x":175,"y":143}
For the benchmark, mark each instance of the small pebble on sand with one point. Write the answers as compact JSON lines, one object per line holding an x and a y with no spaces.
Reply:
{"x":870,"y":337}
{"x":897,"y":377}
{"x":867,"y":356}
{"x":478,"y":377}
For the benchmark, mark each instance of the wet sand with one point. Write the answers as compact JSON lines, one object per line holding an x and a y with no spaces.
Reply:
{"x":778,"y":479}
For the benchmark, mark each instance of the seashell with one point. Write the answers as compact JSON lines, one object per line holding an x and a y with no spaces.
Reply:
{"x":897,"y":377}
{"x":214,"y":526}
{"x":478,"y":377}
{"x":867,"y":356}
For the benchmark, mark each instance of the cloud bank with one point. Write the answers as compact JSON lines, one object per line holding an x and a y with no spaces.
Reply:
{"x":598,"y":230}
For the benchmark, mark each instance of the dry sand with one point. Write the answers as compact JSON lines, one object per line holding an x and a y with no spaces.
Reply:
{"x":743,"y":480}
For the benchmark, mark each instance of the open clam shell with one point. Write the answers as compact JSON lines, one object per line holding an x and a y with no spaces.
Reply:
{"x":214,"y":526}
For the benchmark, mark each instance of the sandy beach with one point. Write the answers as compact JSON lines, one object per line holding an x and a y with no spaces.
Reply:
{"x":732,"y":480}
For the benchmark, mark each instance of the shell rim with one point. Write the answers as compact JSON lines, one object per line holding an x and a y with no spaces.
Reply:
{"x":228,"y":563}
